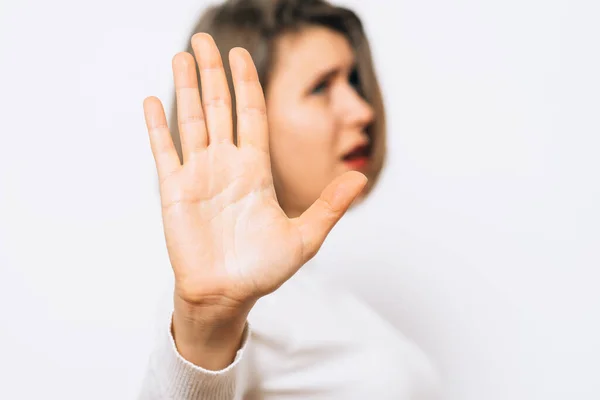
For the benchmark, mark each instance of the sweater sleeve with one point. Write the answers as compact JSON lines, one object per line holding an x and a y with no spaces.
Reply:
{"x":170,"y":376}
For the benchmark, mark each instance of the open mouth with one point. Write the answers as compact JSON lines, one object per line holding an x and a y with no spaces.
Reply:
{"x":358,"y":158}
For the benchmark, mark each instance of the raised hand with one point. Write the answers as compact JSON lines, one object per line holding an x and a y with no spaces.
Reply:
{"x":229,"y":241}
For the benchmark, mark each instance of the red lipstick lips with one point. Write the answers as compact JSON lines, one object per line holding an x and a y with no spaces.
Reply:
{"x":358,"y":158}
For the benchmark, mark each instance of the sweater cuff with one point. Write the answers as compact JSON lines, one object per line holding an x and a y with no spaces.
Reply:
{"x":184,"y":380}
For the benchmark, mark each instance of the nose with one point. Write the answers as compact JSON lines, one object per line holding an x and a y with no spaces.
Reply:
{"x":356,"y":111}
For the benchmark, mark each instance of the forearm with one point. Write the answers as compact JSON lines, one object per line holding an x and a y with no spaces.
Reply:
{"x":171,"y":376}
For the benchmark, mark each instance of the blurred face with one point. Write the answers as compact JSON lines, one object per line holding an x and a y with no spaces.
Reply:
{"x":317,"y":118}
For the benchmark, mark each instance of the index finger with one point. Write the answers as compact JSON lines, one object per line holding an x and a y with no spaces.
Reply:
{"x":251,"y":110}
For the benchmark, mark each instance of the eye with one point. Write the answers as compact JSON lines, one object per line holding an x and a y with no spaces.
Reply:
{"x":321,"y":87}
{"x":354,"y":80}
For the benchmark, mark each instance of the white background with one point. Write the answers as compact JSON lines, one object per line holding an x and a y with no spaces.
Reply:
{"x":481,"y":243}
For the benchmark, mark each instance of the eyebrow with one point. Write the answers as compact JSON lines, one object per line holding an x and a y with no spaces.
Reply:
{"x":327,"y":74}
{"x":330,"y":73}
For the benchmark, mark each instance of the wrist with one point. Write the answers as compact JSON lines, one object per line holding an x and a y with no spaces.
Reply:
{"x":208,"y":336}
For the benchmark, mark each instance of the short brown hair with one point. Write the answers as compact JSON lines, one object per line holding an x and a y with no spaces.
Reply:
{"x":256,"y":25}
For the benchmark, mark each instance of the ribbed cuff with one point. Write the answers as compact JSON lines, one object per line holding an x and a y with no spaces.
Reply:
{"x":184,"y":380}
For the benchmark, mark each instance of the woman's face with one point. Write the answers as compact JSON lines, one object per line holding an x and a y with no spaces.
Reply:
{"x":316,"y":116}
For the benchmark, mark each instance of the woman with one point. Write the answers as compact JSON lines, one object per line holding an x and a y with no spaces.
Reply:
{"x":247,"y":201}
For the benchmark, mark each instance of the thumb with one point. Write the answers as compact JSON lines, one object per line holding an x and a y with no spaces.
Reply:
{"x":316,"y":222}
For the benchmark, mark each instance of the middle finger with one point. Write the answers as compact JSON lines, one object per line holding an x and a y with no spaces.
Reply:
{"x":215,"y":90}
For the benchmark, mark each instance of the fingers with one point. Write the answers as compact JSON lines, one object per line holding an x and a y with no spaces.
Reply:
{"x":316,"y":222}
{"x":165,"y":155}
{"x":192,"y":128}
{"x":251,"y":110}
{"x":215,"y":91}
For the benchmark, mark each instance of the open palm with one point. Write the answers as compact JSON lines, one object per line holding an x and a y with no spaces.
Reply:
{"x":228,"y":239}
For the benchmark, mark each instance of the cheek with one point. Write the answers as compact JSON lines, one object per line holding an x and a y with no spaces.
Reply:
{"x":303,"y":153}
{"x":302,"y":134}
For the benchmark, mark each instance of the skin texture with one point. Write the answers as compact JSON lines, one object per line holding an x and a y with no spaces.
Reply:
{"x":229,"y":240}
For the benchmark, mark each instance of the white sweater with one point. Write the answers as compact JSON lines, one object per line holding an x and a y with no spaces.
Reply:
{"x":307,"y":340}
